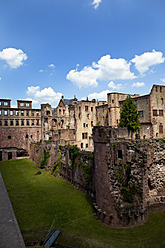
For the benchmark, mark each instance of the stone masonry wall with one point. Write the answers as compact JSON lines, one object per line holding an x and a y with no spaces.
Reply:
{"x":74,"y":166}
{"x":128,"y":176}
{"x":18,"y":138}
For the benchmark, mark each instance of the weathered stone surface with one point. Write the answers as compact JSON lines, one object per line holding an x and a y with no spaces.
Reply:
{"x":129,"y":177}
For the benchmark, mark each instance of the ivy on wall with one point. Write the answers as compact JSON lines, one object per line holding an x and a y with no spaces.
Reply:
{"x":45,"y":157}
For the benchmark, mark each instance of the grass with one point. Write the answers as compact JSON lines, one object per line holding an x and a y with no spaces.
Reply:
{"x":37,"y":199}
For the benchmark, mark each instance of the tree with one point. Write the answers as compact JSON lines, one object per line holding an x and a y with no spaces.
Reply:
{"x":129,"y":117}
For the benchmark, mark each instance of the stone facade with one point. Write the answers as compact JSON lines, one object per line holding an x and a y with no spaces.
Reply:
{"x":133,"y":172}
{"x":151,"y":110}
{"x":71,"y":122}
{"x":18,"y":127}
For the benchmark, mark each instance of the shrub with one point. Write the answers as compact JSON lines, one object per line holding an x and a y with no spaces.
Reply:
{"x":38,"y":173}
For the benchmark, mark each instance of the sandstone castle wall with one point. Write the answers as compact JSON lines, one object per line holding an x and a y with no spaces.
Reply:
{"x":129,"y":177}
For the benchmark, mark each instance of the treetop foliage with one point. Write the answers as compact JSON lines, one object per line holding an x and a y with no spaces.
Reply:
{"x":129,"y":117}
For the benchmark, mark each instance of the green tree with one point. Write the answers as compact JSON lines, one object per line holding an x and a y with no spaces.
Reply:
{"x":129,"y":117}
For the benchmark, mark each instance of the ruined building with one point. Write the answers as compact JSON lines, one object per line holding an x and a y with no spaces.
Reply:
{"x":151,"y":110}
{"x":71,"y":122}
{"x":18,"y":127}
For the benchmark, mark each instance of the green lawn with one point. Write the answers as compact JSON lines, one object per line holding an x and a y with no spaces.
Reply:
{"x":37,"y":199}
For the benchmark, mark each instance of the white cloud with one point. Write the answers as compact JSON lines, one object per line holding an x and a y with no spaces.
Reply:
{"x":163,"y":80}
{"x":137,"y":84}
{"x":13,"y":57}
{"x":47,"y":95}
{"x":146,"y":60}
{"x":102,"y":96}
{"x":106,"y":69}
{"x":41,"y":70}
{"x":114,"y":86}
{"x":84,"y":78}
{"x":0,"y":78}
{"x":51,"y":66}
{"x":33,"y":101}
{"x":96,"y":3}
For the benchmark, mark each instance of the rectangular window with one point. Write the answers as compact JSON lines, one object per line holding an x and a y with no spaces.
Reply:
{"x":11,"y":112}
{"x":156,"y":88}
{"x":9,"y":137}
{"x":9,"y":155}
{"x":37,"y":123}
{"x":161,"y":128}
{"x":11,"y":123}
{"x":92,"y":109}
{"x":37,"y":113}
{"x":0,"y":123}
{"x":32,"y":113}
{"x":120,"y":154}
{"x":84,"y":135}
{"x":155,"y":112}
{"x":146,"y":100}
{"x":32,"y":122}
{"x":141,"y":113}
{"x":86,"y":108}
{"x":6,"y":123}
{"x":81,"y":145}
{"x":5,"y":103}
{"x":22,"y":113}
{"x":0,"y":103}
{"x":112,"y":101}
{"x":17,"y":122}
{"x":27,"y":104}
{"x":160,"y":89}
{"x":17,"y":113}
{"x":91,"y":123}
{"x":5,"y":112}
{"x":83,"y":124}
{"x":162,"y":100}
{"x":0,"y":112}
{"x":22,"y":104}
{"x":22,"y":122}
{"x":27,"y":113}
{"x":161,"y":112}
{"x":27,"y":122}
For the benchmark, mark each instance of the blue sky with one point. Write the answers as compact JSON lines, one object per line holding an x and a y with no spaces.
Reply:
{"x":86,"y":48}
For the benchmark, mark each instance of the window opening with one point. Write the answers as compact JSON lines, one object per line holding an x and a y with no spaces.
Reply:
{"x":120,"y":154}
{"x":9,"y":155}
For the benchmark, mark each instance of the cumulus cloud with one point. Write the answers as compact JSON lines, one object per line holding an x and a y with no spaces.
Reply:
{"x":41,"y":70}
{"x":137,"y":84}
{"x":163,"y":80}
{"x":51,"y":66}
{"x":105,"y":69}
{"x":84,"y":78}
{"x":35,"y":102}
{"x":47,"y":95}
{"x":114,"y":86}
{"x":96,"y":3}
{"x":13,"y":57}
{"x":102,"y":96}
{"x":147,"y":59}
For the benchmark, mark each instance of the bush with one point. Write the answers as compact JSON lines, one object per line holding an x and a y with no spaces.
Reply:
{"x":38,"y":173}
